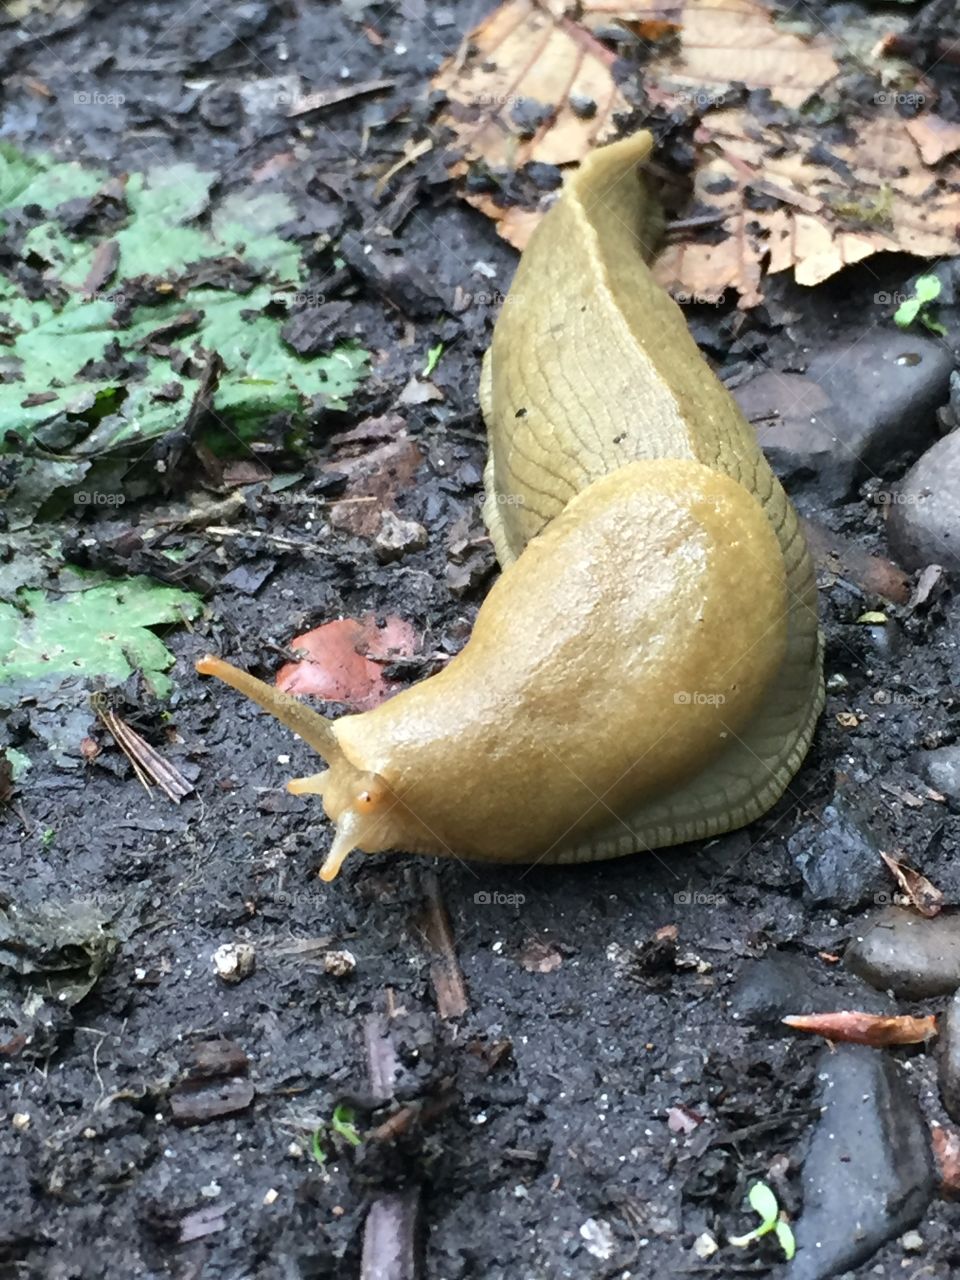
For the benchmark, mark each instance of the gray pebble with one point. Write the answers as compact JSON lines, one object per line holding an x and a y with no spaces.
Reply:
{"x":923,"y":520}
{"x":908,"y":954}
{"x":857,"y":407}
{"x":948,"y":1058}
{"x":941,"y":768}
{"x":868,"y":1175}
{"x":783,"y":982}
{"x":839,"y":859}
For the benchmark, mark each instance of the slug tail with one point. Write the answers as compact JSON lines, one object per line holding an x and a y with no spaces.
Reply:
{"x":316,"y":730}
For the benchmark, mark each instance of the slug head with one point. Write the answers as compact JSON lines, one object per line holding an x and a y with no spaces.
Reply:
{"x":359,"y":802}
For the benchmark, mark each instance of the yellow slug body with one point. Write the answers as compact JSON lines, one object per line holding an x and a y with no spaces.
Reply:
{"x":647,"y":669}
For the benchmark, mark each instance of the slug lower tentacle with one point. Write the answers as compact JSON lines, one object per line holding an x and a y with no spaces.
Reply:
{"x":647,"y":669}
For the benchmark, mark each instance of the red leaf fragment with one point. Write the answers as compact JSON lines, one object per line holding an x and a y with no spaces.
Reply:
{"x":682,"y":1119}
{"x":344,"y":660}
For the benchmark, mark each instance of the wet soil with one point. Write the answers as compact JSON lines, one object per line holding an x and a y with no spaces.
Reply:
{"x":538,"y":1138}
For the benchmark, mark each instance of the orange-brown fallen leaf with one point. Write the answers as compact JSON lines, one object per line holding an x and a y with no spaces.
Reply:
{"x":533,"y":86}
{"x":865,"y":1028}
{"x":722,"y":43}
{"x":926,"y":897}
{"x":775,"y":192}
{"x":860,"y":197}
{"x":344,"y":660}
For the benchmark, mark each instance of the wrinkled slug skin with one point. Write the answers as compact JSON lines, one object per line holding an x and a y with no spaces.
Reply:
{"x":592,"y":367}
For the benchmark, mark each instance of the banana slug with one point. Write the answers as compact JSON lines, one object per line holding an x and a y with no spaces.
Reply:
{"x":647,"y":670}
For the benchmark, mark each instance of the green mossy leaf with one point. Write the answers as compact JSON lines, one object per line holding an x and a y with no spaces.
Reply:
{"x":103,"y":630}
{"x":51,"y":341}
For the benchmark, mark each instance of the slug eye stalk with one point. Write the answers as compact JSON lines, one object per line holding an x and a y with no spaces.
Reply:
{"x":356,"y":800}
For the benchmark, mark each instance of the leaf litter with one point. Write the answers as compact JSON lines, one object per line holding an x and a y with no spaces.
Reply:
{"x":782,"y":178}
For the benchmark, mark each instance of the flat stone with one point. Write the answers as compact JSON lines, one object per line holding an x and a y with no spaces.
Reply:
{"x":941,"y":768}
{"x":923,"y":518}
{"x":858,"y":407}
{"x":948,"y":1058}
{"x":868,"y":1175}
{"x":908,"y":954}
{"x":782,"y":983}
{"x":840,"y":861}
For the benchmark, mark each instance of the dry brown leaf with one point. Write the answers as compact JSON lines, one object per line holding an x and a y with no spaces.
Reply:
{"x":538,"y":956}
{"x":827,"y":206}
{"x":934,"y":136}
{"x":723,"y":43}
{"x":926,"y":897}
{"x":525,"y":52}
{"x":866,"y":1028}
{"x":875,"y":194}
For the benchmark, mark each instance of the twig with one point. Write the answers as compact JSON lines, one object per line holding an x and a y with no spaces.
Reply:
{"x":147,"y":764}
{"x":449,"y":986}
{"x":389,"y":1238}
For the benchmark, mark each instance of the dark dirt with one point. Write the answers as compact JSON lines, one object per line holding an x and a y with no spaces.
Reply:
{"x":546,"y":1104}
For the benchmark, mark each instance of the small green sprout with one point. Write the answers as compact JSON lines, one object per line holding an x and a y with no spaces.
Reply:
{"x":433,"y":359}
{"x":316,"y":1148}
{"x":48,"y":837}
{"x":342,"y":1123}
{"x":764,"y":1202}
{"x":925,"y":291}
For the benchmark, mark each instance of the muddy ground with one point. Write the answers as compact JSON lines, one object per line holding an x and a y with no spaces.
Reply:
{"x":535,"y":1127}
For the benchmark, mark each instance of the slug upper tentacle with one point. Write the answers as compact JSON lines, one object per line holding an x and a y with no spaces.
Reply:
{"x":647,"y":670}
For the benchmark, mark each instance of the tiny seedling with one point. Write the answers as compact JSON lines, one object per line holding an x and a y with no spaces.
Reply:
{"x":764,"y":1202}
{"x":342,"y":1123}
{"x":925,"y":291}
{"x":316,"y":1148}
{"x":433,"y":359}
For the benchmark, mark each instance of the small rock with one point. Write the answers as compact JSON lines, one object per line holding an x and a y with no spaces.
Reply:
{"x":397,"y":537}
{"x":941,"y":768}
{"x":271,"y":1196}
{"x":908,"y":954}
{"x":923,"y":517}
{"x":705,"y":1246}
{"x":855,"y":409}
{"x":598,"y":1238}
{"x":868,"y":1174}
{"x":782,"y":983}
{"x":840,"y":861}
{"x":948,"y":1058}
{"x":339,"y":964}
{"x":912,"y":1241}
{"x":768,"y":989}
{"x":234,"y":961}
{"x":21,"y":1120}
